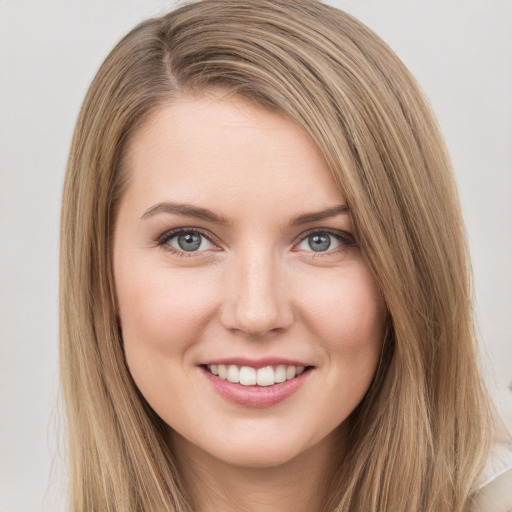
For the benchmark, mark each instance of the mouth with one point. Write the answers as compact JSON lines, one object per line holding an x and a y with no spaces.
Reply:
{"x":249,"y":376}
{"x":256,"y":384}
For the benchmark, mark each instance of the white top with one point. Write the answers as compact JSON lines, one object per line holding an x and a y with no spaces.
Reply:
{"x":494,"y":486}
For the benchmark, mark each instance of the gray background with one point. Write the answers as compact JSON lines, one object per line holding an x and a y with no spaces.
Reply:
{"x":459,"y":50}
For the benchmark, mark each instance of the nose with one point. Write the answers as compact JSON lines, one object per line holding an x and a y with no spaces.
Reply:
{"x":257,"y":300}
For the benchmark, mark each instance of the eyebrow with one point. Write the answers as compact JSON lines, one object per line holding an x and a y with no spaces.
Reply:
{"x":186,"y":210}
{"x":306,"y":218}
{"x":189,"y":210}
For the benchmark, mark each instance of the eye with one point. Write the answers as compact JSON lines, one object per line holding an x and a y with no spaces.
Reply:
{"x":323,"y":241}
{"x":186,"y":241}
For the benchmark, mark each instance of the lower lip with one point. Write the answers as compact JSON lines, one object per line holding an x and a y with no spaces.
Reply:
{"x":256,"y":396}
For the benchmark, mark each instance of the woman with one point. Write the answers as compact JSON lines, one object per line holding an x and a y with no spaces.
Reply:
{"x":265,"y":284}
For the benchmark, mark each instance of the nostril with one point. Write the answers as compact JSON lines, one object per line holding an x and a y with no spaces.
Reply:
{"x":256,"y":303}
{"x":257,"y":319}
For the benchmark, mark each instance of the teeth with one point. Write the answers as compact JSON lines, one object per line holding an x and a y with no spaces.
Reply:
{"x":290,"y":372}
{"x":265,"y":376}
{"x":233,"y":374}
{"x":247,"y":376}
{"x":280,"y":373}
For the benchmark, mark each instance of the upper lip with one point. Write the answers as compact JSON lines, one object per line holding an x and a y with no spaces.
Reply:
{"x":256,"y":363}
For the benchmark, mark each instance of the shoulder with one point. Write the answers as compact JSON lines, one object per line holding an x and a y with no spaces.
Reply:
{"x":494,"y":486}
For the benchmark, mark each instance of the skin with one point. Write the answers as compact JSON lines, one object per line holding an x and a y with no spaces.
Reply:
{"x":256,"y":289}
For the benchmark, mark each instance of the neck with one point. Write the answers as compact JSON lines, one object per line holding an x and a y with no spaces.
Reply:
{"x":300,"y":484}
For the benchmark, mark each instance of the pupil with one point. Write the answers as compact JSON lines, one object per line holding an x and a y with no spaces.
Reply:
{"x":189,"y":241}
{"x":319,"y":242}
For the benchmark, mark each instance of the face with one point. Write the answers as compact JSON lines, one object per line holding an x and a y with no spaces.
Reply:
{"x":250,"y":320}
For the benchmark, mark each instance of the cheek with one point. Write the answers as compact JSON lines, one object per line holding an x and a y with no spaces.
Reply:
{"x":347,"y":312}
{"x":162,"y":316}
{"x":163,"y":310}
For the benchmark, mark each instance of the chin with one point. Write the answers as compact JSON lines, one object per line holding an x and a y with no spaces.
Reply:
{"x":258,"y":457}
{"x":261,"y":450}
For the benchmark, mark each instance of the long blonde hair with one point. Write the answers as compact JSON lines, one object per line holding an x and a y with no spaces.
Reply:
{"x":421,"y":433}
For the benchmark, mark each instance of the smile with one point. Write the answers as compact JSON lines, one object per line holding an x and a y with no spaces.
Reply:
{"x":256,"y":383}
{"x":248,"y":376}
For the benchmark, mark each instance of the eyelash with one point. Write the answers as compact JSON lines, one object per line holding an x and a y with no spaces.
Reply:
{"x":346,"y":240}
{"x":168,"y":235}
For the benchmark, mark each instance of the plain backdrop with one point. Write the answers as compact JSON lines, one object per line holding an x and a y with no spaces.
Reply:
{"x":459,"y":50}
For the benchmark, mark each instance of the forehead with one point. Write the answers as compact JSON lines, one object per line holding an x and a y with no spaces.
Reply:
{"x":219,"y":150}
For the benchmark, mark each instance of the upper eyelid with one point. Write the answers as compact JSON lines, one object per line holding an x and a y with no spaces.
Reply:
{"x":167,"y":235}
{"x":335,"y":232}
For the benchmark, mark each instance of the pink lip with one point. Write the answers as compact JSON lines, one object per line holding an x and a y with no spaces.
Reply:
{"x":256,"y":363}
{"x":256,"y":396}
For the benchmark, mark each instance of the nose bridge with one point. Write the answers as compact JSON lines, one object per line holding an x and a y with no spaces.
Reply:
{"x":257,"y":302}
